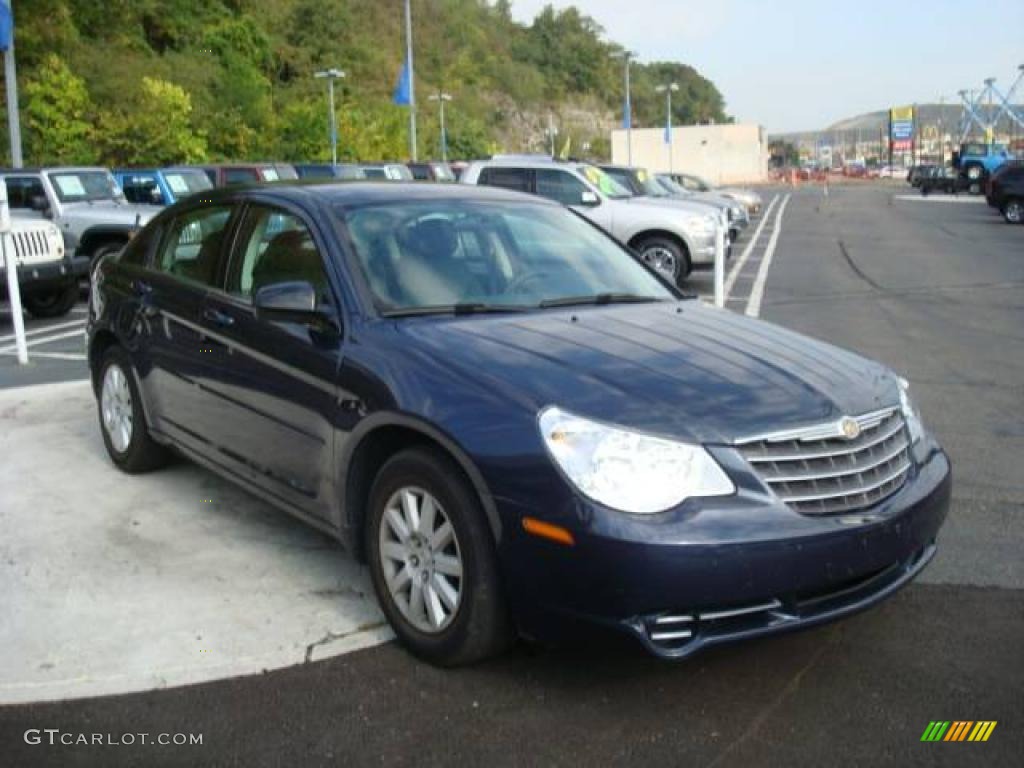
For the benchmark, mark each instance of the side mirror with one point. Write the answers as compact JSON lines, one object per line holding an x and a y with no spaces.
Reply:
{"x":589,"y":198}
{"x":38,"y":203}
{"x":294,"y":301}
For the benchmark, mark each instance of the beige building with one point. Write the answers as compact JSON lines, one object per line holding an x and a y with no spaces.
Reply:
{"x":722,"y":154}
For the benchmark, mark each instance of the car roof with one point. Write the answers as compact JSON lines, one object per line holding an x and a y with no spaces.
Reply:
{"x":369,"y":192}
{"x":512,"y":162}
{"x":42,"y":168}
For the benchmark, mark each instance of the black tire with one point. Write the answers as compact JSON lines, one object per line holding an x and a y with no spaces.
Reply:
{"x":678,"y":251}
{"x":104,"y":249}
{"x":142,"y":453}
{"x":1013,"y":210}
{"x":53,"y":302}
{"x":480,"y":626}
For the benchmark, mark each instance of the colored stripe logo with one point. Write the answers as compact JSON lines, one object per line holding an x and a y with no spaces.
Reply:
{"x":958,"y":730}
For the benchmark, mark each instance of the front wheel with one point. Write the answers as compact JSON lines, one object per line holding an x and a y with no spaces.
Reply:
{"x":105,"y":249}
{"x":122,"y":420}
{"x":666,"y":257}
{"x":432,"y":561}
{"x":1013,"y":211}
{"x":54,"y":302}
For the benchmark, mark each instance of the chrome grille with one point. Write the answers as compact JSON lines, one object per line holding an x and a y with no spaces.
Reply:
{"x":818,"y":471}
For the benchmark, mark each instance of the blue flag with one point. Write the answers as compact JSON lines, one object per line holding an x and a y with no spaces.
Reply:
{"x":668,"y":131}
{"x":627,"y":115}
{"x":6,"y":25}
{"x":403,"y":95}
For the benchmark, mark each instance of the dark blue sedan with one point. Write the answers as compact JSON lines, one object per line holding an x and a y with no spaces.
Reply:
{"x":518,"y":426}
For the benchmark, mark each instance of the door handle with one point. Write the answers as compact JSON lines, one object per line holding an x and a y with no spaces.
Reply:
{"x":218,"y":318}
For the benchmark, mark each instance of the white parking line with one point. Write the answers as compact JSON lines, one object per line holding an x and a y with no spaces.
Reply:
{"x":757,"y":292}
{"x":45,"y":339}
{"x":51,"y":355}
{"x":47,"y":329}
{"x":734,"y":273}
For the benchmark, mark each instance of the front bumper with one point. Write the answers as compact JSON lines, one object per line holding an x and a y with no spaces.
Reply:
{"x":50,"y":273}
{"x":725,"y":569}
{"x":702,"y":250}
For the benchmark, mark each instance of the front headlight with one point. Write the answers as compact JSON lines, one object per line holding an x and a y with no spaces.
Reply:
{"x":910,"y":412}
{"x":701,"y":225}
{"x":629,"y":471}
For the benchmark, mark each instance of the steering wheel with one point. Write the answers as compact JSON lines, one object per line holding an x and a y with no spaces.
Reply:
{"x":523,"y":280}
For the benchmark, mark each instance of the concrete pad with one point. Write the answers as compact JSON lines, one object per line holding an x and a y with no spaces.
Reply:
{"x":113,"y":583}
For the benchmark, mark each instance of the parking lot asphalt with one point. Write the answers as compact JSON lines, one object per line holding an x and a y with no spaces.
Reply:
{"x":934,"y":289}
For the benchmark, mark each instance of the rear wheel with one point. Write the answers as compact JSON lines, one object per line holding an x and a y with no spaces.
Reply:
{"x":432,"y":561}
{"x":122,"y":420}
{"x":52,"y":302}
{"x":1013,"y":210}
{"x":665,"y":256}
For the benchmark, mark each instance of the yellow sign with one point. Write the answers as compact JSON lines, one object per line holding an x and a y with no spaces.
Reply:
{"x":902,"y":113}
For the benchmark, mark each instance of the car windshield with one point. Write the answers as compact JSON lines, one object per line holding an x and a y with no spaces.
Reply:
{"x":442,"y":172}
{"x":608,"y":186}
{"x":650,"y":187}
{"x":184,"y":183}
{"x":671,"y":186}
{"x":443,"y":255}
{"x":79,"y":186}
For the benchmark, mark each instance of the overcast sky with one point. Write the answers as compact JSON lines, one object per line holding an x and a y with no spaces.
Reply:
{"x":803,"y":64}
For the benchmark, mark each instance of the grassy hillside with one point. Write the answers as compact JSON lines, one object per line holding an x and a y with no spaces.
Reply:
{"x":159,"y":81}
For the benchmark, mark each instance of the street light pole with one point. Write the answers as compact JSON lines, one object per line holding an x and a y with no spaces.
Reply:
{"x":441,"y":97}
{"x":627,"y":107}
{"x":668,"y":89}
{"x":331,"y":75}
{"x":412,"y":81}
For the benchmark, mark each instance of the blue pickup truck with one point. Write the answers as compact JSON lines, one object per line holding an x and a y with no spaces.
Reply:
{"x":160,"y":186}
{"x":976,"y":161}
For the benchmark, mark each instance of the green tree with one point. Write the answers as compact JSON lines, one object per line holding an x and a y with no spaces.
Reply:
{"x":56,"y":116}
{"x":156,"y":130}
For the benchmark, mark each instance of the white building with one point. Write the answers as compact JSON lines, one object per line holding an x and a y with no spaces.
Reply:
{"x":722,"y":154}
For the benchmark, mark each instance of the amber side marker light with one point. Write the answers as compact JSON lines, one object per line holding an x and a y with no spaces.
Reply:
{"x":548,"y":531}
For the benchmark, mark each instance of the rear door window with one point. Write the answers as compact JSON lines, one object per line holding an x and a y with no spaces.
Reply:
{"x":194,"y":244}
{"x":516,"y":179}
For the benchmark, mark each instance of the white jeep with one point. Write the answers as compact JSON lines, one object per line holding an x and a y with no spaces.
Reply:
{"x":47,"y":281}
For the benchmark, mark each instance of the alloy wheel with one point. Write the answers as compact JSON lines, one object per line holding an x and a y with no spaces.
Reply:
{"x":421,"y":559}
{"x":1014,"y":212}
{"x":662,"y":260}
{"x":116,"y":407}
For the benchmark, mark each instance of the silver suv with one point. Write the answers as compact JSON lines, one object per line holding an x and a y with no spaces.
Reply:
{"x":670,"y":235}
{"x":86,"y":204}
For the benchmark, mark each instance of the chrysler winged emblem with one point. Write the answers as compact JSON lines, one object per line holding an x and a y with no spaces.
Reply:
{"x":849,"y":427}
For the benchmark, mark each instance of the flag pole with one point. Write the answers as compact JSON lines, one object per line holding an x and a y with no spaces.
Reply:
{"x":11,"y":81}
{"x":412,"y":83}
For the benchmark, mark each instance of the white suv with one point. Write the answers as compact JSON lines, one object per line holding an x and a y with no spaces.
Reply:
{"x":47,"y":278}
{"x":671,"y":236}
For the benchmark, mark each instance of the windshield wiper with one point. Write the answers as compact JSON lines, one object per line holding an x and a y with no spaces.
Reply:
{"x":462,"y":308}
{"x":598,"y":299}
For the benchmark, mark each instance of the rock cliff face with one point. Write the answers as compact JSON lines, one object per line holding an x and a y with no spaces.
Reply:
{"x":587,"y":123}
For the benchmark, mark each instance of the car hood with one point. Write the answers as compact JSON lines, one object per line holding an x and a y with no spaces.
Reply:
{"x":110,"y":212}
{"x":677,"y":369}
{"x":676,"y":203}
